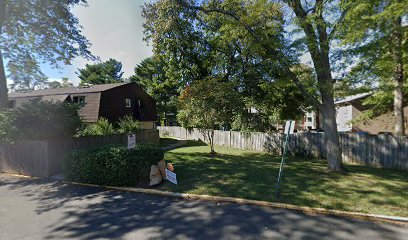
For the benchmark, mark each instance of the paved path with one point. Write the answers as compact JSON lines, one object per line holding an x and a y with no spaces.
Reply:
{"x":45,"y":209}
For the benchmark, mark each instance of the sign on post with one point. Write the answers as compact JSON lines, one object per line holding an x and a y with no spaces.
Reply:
{"x":290,"y":127}
{"x":131,"y":141}
{"x":171,"y":176}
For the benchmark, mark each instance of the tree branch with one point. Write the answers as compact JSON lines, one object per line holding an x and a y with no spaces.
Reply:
{"x":321,"y":28}
{"x":310,"y":10}
{"x":2,"y":13}
{"x":314,"y":101}
{"x":336,"y":25}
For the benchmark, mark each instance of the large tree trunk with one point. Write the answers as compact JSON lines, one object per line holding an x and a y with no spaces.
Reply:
{"x":399,"y":108}
{"x":318,"y":44}
{"x":3,"y":84}
{"x":399,"y":80}
{"x":3,"y":80}
{"x":328,"y":111}
{"x":332,"y":146}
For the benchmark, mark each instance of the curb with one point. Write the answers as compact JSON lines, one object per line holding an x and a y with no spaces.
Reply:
{"x":305,"y":210}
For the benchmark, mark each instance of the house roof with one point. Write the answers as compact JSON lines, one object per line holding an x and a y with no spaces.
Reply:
{"x":99,"y":100}
{"x":55,"y":98}
{"x":352,"y":98}
{"x":68,"y":90}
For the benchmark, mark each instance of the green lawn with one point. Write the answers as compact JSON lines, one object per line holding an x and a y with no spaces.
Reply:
{"x":252,"y":175}
{"x":167,"y":141}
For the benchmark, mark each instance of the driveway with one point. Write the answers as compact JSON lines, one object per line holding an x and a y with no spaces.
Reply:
{"x":46,"y":209}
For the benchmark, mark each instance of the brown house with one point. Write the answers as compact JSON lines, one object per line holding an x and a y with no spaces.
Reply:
{"x":110,"y":101}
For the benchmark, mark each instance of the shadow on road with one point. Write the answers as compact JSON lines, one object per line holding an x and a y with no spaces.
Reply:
{"x":95,"y":213}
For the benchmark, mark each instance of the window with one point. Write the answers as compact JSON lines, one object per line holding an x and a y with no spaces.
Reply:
{"x":128,"y":103}
{"x":80,"y":100}
{"x":309,"y":119}
{"x":139,"y":103}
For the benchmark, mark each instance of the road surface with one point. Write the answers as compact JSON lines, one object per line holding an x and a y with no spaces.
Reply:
{"x":47,"y":209}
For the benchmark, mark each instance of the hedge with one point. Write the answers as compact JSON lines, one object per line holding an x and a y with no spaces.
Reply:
{"x":112,"y":165}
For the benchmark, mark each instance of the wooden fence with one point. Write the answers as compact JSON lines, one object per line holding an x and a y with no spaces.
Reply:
{"x":145,"y":136}
{"x":386,"y":151}
{"x":45,"y":158}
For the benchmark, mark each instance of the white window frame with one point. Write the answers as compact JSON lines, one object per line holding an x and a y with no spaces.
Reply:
{"x":80,"y":100}
{"x":128,"y":103}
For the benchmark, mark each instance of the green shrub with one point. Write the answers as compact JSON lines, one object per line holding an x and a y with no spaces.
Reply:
{"x":101,"y":127}
{"x":128,"y":125}
{"x":37,"y":120}
{"x":113,"y":165}
{"x":8,"y":131}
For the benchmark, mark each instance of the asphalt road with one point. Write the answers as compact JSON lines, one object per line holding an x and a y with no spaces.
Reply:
{"x":46,"y":209}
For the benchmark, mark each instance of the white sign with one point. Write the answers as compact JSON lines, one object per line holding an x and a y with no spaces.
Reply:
{"x":171,"y":176}
{"x":131,"y":141}
{"x":290,"y":127}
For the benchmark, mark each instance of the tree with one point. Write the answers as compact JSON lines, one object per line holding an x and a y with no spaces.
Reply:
{"x":210,"y":46}
{"x":208,"y":105}
{"x":26,"y":74}
{"x":380,"y":47}
{"x":63,"y":84}
{"x":66,"y":83}
{"x":260,"y":24}
{"x":101,"y":73}
{"x":179,"y":41}
{"x":44,"y":28}
{"x":54,"y":84}
{"x":39,"y":120}
{"x":151,"y":75}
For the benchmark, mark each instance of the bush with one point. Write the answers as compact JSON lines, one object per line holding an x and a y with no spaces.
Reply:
{"x":101,"y":127}
{"x":128,"y":125}
{"x":113,"y":165}
{"x":8,"y":131}
{"x":38,"y":120}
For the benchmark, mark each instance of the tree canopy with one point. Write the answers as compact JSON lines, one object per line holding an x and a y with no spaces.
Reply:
{"x":45,"y":29}
{"x":26,"y":74}
{"x":208,"y":104}
{"x":252,"y":33}
{"x":63,"y":84}
{"x":109,"y":71}
{"x":378,"y":47}
{"x":199,"y":46}
{"x":151,"y":75}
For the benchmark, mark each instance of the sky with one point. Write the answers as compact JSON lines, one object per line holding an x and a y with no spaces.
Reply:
{"x":114,"y":27}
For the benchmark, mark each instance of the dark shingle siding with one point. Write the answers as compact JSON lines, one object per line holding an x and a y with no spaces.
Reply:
{"x":90,"y":111}
{"x":105,"y":100}
{"x":113,"y":103}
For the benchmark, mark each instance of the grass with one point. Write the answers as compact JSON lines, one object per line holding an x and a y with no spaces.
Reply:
{"x":167,"y":141}
{"x":252,"y":175}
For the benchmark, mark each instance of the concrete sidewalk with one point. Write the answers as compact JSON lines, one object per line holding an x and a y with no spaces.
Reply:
{"x":40,"y":209}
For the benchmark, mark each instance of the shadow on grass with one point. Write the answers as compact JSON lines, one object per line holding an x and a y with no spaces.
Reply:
{"x":176,"y":143}
{"x":89,"y":213}
{"x":165,"y":142}
{"x":252,"y":175}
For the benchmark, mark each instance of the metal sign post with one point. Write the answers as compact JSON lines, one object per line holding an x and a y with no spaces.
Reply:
{"x":289,"y":129}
